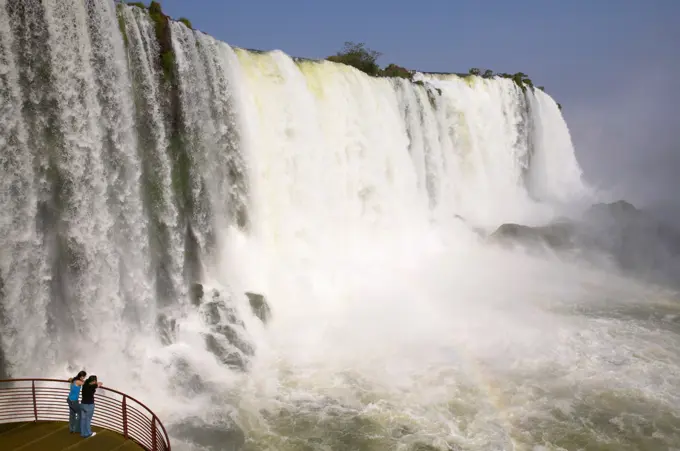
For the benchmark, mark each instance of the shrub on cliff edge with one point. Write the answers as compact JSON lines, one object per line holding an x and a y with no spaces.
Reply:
{"x":396,"y":71}
{"x":186,"y":22}
{"x":358,"y":56}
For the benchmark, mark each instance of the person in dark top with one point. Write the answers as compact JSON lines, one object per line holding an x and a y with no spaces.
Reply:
{"x":87,"y":406}
{"x":73,"y":405}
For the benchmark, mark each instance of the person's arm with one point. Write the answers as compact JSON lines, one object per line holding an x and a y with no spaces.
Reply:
{"x":78,"y":382}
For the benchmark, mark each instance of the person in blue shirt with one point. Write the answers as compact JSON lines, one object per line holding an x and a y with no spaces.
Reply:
{"x":73,"y":404}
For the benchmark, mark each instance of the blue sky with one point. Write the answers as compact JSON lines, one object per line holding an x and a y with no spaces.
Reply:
{"x":612,"y":64}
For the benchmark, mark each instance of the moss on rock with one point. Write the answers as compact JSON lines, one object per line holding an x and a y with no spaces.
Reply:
{"x":121,"y":24}
{"x":186,"y":22}
{"x":430,"y":91}
{"x":162,"y":26}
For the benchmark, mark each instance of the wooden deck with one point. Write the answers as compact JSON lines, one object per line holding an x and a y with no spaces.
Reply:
{"x":54,"y":436}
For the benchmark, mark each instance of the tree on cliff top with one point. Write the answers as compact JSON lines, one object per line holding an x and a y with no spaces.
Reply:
{"x":393,"y":70}
{"x":359,"y":56}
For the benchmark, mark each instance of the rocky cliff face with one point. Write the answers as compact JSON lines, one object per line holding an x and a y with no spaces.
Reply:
{"x":636,"y":241}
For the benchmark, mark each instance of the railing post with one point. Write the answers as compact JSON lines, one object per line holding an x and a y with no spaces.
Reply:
{"x":154,"y":440}
{"x":35,"y":406}
{"x":125,"y":431}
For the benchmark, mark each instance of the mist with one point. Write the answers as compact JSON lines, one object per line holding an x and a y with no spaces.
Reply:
{"x":626,"y":139}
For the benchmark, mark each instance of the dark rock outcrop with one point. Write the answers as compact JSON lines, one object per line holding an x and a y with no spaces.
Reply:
{"x":619,"y":210}
{"x":231,"y":334}
{"x":217,"y":310}
{"x":226,"y":338}
{"x":230,"y":357}
{"x":167,"y":328}
{"x":259,"y":305}
{"x":184,"y":376}
{"x":196,"y":294}
{"x":635,"y":240}
{"x":556,"y":236}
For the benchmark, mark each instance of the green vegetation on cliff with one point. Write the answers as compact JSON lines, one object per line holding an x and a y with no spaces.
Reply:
{"x":357,"y":55}
{"x":121,"y":25}
{"x":162,"y":27}
{"x":162,"y":24}
{"x":520,"y":78}
{"x":166,"y":61}
{"x":186,"y":22}
{"x":352,"y":54}
{"x":361,"y":57}
{"x":181,"y":167}
{"x":397,"y":71}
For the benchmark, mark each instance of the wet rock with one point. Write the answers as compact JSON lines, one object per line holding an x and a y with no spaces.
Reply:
{"x":230,"y":316}
{"x":557,"y":236}
{"x":220,"y":437}
{"x":228,"y":312}
{"x":213,"y":345}
{"x":211,"y":313}
{"x":635,"y":240}
{"x":259,"y":305}
{"x":638,"y":240}
{"x":233,"y":359}
{"x":167,"y":329}
{"x":192,"y":249}
{"x":233,"y":337}
{"x":196,"y":294}
{"x":184,"y":376}
{"x":224,"y":325}
{"x":216,"y":312}
{"x":620,"y":210}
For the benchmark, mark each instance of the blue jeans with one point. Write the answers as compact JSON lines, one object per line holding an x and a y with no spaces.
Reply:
{"x":73,"y":416}
{"x":86,"y":412}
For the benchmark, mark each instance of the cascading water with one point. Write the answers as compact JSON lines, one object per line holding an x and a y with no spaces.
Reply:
{"x":152,"y":177}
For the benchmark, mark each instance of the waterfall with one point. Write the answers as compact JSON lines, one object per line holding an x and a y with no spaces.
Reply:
{"x":165,"y":233}
{"x":138,"y":153}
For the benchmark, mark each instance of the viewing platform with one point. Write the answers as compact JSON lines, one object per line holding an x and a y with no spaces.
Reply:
{"x":34,"y":417}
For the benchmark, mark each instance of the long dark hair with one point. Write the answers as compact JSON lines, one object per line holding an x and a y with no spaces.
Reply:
{"x":91,"y":379}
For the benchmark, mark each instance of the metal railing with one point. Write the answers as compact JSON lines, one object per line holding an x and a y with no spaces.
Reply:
{"x":25,"y":400}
